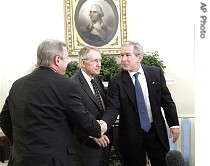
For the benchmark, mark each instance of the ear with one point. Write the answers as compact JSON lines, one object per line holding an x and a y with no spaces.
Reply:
{"x":82,"y":63}
{"x":57,"y":60}
{"x":140,"y":57}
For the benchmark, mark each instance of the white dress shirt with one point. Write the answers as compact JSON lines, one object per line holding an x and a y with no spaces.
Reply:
{"x":143,"y":83}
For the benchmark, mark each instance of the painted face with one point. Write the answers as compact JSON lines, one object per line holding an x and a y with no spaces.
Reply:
{"x":92,"y":64}
{"x":129,"y":60}
{"x":94,"y":14}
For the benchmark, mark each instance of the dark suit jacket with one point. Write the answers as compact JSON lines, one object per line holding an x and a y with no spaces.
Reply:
{"x":88,"y":152}
{"x":38,"y":117}
{"x":89,"y":102}
{"x":121,"y":99}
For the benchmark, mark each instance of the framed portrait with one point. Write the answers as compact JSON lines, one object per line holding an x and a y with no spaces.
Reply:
{"x":100,"y":23}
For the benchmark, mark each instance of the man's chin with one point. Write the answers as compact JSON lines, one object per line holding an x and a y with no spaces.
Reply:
{"x":126,"y":68}
{"x":96,"y":73}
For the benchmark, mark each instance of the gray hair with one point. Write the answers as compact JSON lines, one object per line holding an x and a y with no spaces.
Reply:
{"x":137,"y":48}
{"x":98,"y":9}
{"x":48,"y":50}
{"x":85,"y":50}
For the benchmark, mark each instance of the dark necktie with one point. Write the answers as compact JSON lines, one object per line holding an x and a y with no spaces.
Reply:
{"x":97,"y":94}
{"x":143,"y":114}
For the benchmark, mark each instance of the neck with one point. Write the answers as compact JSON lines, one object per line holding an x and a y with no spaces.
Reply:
{"x":53,"y":69}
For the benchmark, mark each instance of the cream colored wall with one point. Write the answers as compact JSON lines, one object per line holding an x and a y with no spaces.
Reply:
{"x":24,"y":24}
{"x":166,"y":28}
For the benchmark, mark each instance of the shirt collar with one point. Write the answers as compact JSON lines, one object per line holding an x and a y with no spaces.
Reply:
{"x":140,"y":70}
{"x":87,"y":77}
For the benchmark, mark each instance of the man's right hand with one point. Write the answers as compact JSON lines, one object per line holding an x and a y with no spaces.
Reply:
{"x":103,"y":141}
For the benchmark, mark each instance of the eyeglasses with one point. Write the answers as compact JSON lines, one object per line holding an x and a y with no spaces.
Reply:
{"x":93,"y":61}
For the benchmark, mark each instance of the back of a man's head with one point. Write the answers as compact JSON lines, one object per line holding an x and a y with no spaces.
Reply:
{"x":47,"y":50}
{"x":175,"y":158}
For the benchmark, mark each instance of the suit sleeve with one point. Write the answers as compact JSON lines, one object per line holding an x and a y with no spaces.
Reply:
{"x":113,"y":104}
{"x":78,"y":116}
{"x":168,"y":104}
{"x":5,"y":121}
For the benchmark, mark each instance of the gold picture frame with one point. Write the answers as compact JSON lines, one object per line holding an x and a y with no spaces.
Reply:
{"x":80,"y":31}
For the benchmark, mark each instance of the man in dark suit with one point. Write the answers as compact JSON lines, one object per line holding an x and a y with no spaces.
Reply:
{"x":134,"y":142}
{"x":91,"y":151}
{"x":42,"y":109}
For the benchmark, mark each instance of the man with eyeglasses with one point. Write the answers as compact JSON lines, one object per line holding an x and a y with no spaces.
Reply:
{"x":91,"y":151}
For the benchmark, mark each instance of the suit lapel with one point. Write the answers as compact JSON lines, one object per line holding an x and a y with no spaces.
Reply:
{"x":129,"y":87}
{"x":86,"y":87}
{"x":151,"y":84}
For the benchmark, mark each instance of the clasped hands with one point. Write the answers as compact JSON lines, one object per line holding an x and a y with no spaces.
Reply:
{"x":103,"y":141}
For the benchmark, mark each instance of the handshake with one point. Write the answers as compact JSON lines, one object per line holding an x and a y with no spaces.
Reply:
{"x":103,"y":126}
{"x":103,"y":141}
